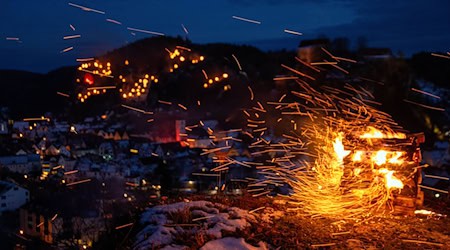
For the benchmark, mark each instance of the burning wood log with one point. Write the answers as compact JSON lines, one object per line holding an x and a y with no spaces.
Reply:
{"x":347,"y":159}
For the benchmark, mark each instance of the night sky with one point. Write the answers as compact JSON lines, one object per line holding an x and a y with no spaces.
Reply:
{"x":407,"y":26}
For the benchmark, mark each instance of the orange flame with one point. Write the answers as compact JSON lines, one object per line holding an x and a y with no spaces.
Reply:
{"x":380,"y":157}
{"x":357,"y":156}
{"x":390,"y":179}
{"x":378,"y":134}
{"x":395,"y":158}
{"x":339,"y":150}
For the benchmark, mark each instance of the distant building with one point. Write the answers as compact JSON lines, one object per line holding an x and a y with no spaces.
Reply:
{"x":51,"y":227}
{"x":106,"y":150}
{"x":21,"y":126}
{"x":82,"y":145}
{"x":67,"y":162}
{"x":40,"y":225}
{"x":12,"y":196}
{"x":202,"y":137}
{"x":69,"y":221}
{"x":122,"y":140}
{"x":180,"y":129}
{"x":311,"y":50}
{"x":23,"y":164}
{"x":165,"y":130}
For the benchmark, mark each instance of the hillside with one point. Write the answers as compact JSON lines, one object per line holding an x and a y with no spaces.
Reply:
{"x":248,"y":69}
{"x":228,"y":71}
{"x":146,"y":55}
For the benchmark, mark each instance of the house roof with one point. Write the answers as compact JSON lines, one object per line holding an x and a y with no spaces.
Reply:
{"x":5,"y":186}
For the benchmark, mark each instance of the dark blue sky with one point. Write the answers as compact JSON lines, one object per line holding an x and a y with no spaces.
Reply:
{"x":409,"y":26}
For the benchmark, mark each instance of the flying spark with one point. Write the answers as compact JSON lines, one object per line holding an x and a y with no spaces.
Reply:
{"x":113,"y":21}
{"x":185,"y":29}
{"x":425,"y":93}
{"x":164,"y":102}
{"x":66,"y":49}
{"x":146,"y":31}
{"x":252,"y":96}
{"x":424,"y":106}
{"x":439,"y":55}
{"x":293,"y":32}
{"x":137,"y":109}
{"x":246,"y":20}
{"x":71,"y":37}
{"x":78,"y":182}
{"x":85,"y":59}
{"x":182,"y":106}
{"x":124,"y":226}
{"x":237,"y":62}
{"x":63,"y":94}
{"x":86,"y":8}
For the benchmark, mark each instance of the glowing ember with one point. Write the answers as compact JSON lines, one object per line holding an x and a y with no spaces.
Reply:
{"x":428,"y":213}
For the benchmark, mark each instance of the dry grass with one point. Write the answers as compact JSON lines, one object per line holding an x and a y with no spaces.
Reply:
{"x":182,"y":216}
{"x":194,"y":237}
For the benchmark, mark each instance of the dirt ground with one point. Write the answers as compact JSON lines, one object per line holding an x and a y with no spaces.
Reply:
{"x":283,"y":230}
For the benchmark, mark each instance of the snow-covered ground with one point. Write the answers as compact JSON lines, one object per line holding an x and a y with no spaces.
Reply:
{"x":204,"y":221}
{"x":231,"y":243}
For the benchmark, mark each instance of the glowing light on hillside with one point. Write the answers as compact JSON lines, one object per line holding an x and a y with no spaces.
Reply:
{"x":89,"y":79}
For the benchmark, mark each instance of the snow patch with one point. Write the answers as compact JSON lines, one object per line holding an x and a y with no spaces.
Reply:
{"x":214,"y":218}
{"x":230,"y":243}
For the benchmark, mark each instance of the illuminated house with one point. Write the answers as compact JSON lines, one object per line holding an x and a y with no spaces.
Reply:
{"x":63,"y":218}
{"x":51,"y":227}
{"x":43,"y":225}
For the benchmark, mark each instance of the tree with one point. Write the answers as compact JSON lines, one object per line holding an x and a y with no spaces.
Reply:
{"x":361,"y":43}
{"x":341,"y":45}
